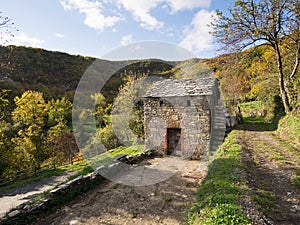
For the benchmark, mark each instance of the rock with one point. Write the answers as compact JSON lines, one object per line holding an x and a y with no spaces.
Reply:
{"x":120,"y":157}
{"x":14,"y":213}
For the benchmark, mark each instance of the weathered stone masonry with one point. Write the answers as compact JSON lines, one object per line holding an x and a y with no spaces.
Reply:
{"x":183,"y":107}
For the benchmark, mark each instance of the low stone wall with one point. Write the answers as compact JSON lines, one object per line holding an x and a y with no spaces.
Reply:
{"x":28,"y":212}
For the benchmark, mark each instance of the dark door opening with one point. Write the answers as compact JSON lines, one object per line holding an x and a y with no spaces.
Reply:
{"x":174,"y":141}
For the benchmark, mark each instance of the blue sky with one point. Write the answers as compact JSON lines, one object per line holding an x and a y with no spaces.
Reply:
{"x":96,"y":27}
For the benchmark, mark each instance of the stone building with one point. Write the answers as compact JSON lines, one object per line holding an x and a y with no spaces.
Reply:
{"x":183,"y":117}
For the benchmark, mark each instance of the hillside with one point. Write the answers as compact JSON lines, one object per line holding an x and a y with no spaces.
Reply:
{"x":254,"y":175}
{"x":56,"y":74}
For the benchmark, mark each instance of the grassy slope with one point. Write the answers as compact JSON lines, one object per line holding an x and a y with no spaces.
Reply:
{"x":289,"y":130}
{"x":223,"y":187}
{"x":84,"y":167}
{"x":218,"y":196}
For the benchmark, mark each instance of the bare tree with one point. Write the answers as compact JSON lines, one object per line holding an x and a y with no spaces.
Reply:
{"x":267,"y":22}
{"x":6,"y":27}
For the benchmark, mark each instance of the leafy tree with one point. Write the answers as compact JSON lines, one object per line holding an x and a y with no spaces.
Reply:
{"x":128,"y":110}
{"x":3,"y":103}
{"x":29,"y":118}
{"x":5,"y":146}
{"x":108,"y":137}
{"x":268,"y":22}
{"x":62,"y":148}
{"x":59,"y":111}
{"x":102,"y":109}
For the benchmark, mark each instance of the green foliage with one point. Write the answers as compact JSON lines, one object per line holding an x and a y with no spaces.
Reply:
{"x":55,"y":74}
{"x":108,"y":137}
{"x":192,"y":68}
{"x":134,"y":70}
{"x":296,"y":178}
{"x":5,"y":146}
{"x":219,"y":193}
{"x":3,"y":101}
{"x":59,"y":111}
{"x":102,"y":109}
{"x":30,"y":110}
{"x":27,"y":152}
{"x":289,"y":128}
{"x":136,"y":120}
{"x":132,"y":150}
{"x":29,"y":143}
{"x":128,"y":106}
{"x":248,"y":23}
{"x":42,"y":175}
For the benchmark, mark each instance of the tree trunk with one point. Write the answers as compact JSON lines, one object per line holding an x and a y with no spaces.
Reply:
{"x":283,"y":92}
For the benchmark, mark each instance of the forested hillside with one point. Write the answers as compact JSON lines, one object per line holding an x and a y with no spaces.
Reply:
{"x":37,"y":89}
{"x":252,"y":75}
{"x":46,"y":81}
{"x":56,"y":74}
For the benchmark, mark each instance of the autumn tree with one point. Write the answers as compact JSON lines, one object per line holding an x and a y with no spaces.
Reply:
{"x":127,"y":111}
{"x":5,"y":147}
{"x":59,"y":111}
{"x":268,"y":22}
{"x":3,"y":103}
{"x":29,"y":119}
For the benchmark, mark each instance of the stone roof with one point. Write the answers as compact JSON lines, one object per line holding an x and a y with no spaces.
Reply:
{"x":181,"y":87}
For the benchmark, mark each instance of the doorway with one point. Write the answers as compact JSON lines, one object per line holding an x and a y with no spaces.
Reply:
{"x":174,"y":141}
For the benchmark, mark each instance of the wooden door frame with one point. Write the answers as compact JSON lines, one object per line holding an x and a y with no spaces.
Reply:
{"x":167,"y":140}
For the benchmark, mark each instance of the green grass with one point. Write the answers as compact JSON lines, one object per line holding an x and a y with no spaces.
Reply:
{"x":250,"y":109}
{"x":289,"y":128}
{"x":84,"y":167}
{"x":218,"y":196}
{"x":254,"y":105}
{"x":296,"y":178}
{"x":261,"y":123}
{"x":108,"y":157}
{"x":33,"y":178}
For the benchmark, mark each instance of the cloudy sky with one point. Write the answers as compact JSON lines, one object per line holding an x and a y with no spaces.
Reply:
{"x":96,"y":27}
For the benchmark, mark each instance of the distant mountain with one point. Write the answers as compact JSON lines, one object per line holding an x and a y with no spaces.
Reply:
{"x":57,"y":74}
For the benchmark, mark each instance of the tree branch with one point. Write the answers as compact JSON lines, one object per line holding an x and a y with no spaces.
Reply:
{"x":296,"y":62}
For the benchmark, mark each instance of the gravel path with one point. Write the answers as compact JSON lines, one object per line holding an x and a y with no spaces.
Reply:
{"x":271,"y":164}
{"x":164,"y":202}
{"x":16,"y":196}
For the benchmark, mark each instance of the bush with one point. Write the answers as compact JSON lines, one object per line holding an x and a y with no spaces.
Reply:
{"x":109,"y":138}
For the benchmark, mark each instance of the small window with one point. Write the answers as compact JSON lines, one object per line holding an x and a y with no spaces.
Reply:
{"x":161,"y":102}
{"x":188,"y":102}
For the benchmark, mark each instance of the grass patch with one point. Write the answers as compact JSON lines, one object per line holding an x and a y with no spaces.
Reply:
{"x":217,"y":197}
{"x":289,"y":128}
{"x":36,"y":177}
{"x":261,"y":123}
{"x":265,"y":199}
{"x":296,"y":178}
{"x":84,"y":167}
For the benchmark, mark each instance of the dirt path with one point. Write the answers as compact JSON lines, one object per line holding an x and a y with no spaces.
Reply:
{"x":16,"y":196}
{"x":271,"y":163}
{"x":161,"y":203}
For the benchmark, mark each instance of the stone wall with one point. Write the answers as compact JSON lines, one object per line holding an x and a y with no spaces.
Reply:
{"x":191,"y":114}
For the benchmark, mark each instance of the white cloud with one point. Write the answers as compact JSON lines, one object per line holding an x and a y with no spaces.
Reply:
{"x":126,"y":39}
{"x":94,"y":17}
{"x":140,"y":9}
{"x":197,"y":37}
{"x":59,"y":35}
{"x":177,"y":5}
{"x":22,"y":39}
